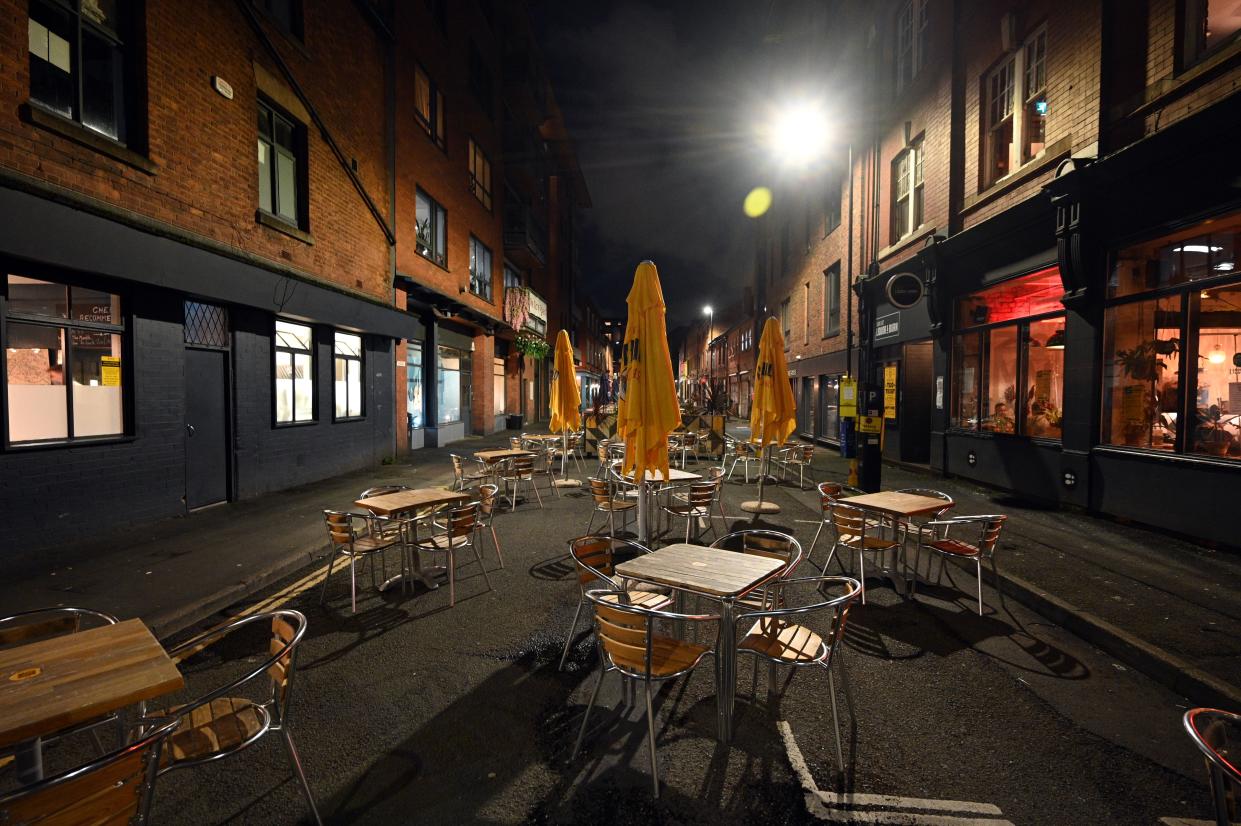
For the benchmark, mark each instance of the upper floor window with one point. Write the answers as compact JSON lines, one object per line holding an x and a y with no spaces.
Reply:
{"x":512,"y":276}
{"x":907,"y":191}
{"x":785,"y":322}
{"x":911,"y":42}
{"x":281,"y":143}
{"x":480,"y":269}
{"x":429,"y":107}
{"x":287,"y":14}
{"x":1006,"y":115}
{"x":347,"y":375}
{"x":432,"y":223}
{"x":480,"y":81}
{"x":295,"y":373}
{"x":1206,"y":25}
{"x":480,"y":174}
{"x":747,"y":339}
{"x":831,"y":300}
{"x":831,"y":205}
{"x":63,"y":351}
{"x":77,"y":61}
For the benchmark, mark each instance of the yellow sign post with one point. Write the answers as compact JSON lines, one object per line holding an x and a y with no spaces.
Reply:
{"x":848,"y":398}
{"x":869,"y":424}
{"x":889,"y":391}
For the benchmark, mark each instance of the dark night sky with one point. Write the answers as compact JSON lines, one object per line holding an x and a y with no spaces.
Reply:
{"x":660,"y":99}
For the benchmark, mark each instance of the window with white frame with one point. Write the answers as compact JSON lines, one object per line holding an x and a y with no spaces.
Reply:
{"x":907,"y":190}
{"x":480,"y":174}
{"x":295,"y":373}
{"x":1014,"y":128}
{"x":347,"y":375}
{"x":911,"y":42}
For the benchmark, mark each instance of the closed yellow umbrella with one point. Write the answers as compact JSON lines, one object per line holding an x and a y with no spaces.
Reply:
{"x":566,"y":398}
{"x":773,"y":412}
{"x":647,"y":409}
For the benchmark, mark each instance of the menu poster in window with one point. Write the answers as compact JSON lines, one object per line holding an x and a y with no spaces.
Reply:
{"x":1133,"y":403}
{"x":939,"y":392}
{"x":109,"y":371}
{"x":1042,"y":386}
{"x":889,"y":391}
{"x":1234,"y":397}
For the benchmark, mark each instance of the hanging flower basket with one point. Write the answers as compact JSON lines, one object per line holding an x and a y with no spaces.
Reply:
{"x":532,"y":347}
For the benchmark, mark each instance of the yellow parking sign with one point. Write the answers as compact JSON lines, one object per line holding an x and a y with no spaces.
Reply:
{"x":869,"y":424}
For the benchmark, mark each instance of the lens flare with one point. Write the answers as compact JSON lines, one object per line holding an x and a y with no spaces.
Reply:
{"x":758,"y":201}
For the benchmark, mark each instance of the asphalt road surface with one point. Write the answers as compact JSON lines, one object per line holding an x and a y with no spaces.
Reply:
{"x":413,"y":712}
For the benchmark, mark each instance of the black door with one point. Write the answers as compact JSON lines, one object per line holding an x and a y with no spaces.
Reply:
{"x":206,"y":427}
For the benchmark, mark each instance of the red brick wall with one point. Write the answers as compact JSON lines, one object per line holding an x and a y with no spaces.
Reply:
{"x":203,"y":145}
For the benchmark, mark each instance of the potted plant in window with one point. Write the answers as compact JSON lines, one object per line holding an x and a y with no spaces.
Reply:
{"x":423,"y":241}
{"x":1210,"y":435}
{"x":1144,"y":364}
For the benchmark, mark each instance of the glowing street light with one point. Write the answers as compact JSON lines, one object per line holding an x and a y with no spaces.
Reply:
{"x":799,"y":134}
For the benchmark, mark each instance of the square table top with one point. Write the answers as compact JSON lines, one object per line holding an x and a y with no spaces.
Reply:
{"x":498,"y":454}
{"x":543,"y":437}
{"x":54,"y":684}
{"x":408,"y":500}
{"x":674,"y":475}
{"x":896,"y":503}
{"x":710,"y":571}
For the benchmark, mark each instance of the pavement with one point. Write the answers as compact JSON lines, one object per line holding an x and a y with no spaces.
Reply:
{"x":412,"y":711}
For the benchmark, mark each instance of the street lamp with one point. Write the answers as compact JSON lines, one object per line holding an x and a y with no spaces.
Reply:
{"x":710,"y":314}
{"x":799,"y":133}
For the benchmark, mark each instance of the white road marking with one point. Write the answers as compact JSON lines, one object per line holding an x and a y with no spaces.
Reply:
{"x":909,"y":811}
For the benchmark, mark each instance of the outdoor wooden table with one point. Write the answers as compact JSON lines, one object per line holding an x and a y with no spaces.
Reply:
{"x":897,"y":507}
{"x":404,"y":501}
{"x":653,"y":477}
{"x":490,"y":456}
{"x":721,"y":575}
{"x":55,"y":684}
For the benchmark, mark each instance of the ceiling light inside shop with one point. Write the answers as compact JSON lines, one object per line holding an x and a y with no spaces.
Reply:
{"x":1203,"y":248}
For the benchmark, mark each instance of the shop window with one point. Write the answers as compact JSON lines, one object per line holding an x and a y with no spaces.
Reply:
{"x":480,"y":174}
{"x":1008,"y":373}
{"x":429,"y":108}
{"x":281,"y":143}
{"x":907,"y":191}
{"x":497,"y":380}
{"x":294,"y":373}
{"x":1171,"y":373}
{"x":432,"y":225}
{"x":62,"y":362}
{"x":1206,"y":26}
{"x":452,"y":381}
{"x":911,"y":42}
{"x":480,"y":269}
{"x":347,"y":376}
{"x":77,"y":52}
{"x":413,"y":385}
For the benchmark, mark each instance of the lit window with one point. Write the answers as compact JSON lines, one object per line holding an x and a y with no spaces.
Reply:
{"x":497,"y":378}
{"x":480,"y":174}
{"x":347,"y":376}
{"x":413,"y":386}
{"x":432,"y":221}
{"x":279,"y":139}
{"x":1208,"y":26}
{"x":429,"y":107}
{"x":77,"y":62}
{"x":907,"y":191}
{"x":63,"y":353}
{"x":1005,"y":116}
{"x":480,"y":269}
{"x":294,"y":374}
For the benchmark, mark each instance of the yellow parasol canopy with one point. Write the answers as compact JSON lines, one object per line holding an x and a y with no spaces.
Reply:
{"x":647,"y":410}
{"x":566,"y":398}
{"x":773,"y":414}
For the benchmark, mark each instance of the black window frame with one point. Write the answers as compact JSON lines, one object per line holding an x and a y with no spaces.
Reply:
{"x":437,"y":211}
{"x":831,"y":301}
{"x":475,"y":278}
{"x":1185,"y":60}
{"x":300,"y":153}
{"x":276,"y":349}
{"x":123,"y":329}
{"x":480,"y":191}
{"x":360,"y":358}
{"x":124,"y":38}
{"x":832,"y":205}
{"x":435,"y":122}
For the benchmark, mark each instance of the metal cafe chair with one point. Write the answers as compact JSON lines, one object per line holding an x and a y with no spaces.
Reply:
{"x":595,"y":559}
{"x":224,"y":722}
{"x":520,"y":469}
{"x":388,"y":527}
{"x":1217,"y":734}
{"x":601,"y":453}
{"x":375,"y":537}
{"x":693,"y":505}
{"x":800,"y":457}
{"x":939,"y":514}
{"x":487,"y":496}
{"x":458,"y":530}
{"x":469,"y":471}
{"x":546,"y":465}
{"x":629,"y":644}
{"x":778,"y":636}
{"x":744,"y":453}
{"x":606,"y":501}
{"x":767,"y":543}
{"x":41,"y":624}
{"x":989,"y":527}
{"x":829,"y":492}
{"x":115,"y":788}
{"x":852,"y":527}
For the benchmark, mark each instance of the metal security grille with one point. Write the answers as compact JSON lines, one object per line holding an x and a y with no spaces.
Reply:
{"x":206,"y":325}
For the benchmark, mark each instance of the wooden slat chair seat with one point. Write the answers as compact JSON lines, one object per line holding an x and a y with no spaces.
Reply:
{"x":629,"y":644}
{"x":459,"y":530}
{"x":853,"y":530}
{"x":225,"y":721}
{"x":771,"y":545}
{"x":520,"y":469}
{"x":695,"y":506}
{"x":111,"y":790}
{"x":604,"y":498}
{"x":374,"y":536}
{"x":989,"y":527}
{"x":487,"y":497}
{"x":783,"y":640}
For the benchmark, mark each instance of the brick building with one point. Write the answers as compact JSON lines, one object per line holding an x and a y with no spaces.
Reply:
{"x":236,"y":235}
{"x":1058,"y":177}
